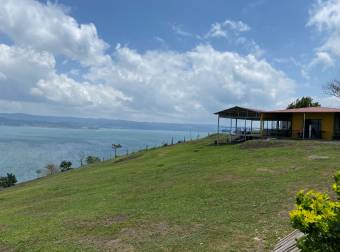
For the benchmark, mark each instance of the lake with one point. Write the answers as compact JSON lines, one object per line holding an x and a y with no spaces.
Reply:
{"x":24,"y":150}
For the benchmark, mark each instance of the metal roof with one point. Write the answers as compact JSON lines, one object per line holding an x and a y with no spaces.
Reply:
{"x":240,"y":112}
{"x":307,"y":110}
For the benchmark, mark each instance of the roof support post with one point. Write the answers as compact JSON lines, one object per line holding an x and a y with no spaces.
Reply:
{"x":245,"y":129}
{"x":231,"y":126}
{"x":251,"y":126}
{"x":236,"y":127}
{"x":303,"y":126}
{"x":261,"y":126}
{"x":218,"y":129}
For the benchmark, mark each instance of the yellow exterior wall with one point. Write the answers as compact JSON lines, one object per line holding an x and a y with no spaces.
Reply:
{"x":327,"y":123}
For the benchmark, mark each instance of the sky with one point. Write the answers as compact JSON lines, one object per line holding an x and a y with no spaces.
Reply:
{"x":165,"y":61}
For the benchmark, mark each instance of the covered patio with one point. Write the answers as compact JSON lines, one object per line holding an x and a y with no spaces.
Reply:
{"x":242,"y":123}
{"x":276,"y":124}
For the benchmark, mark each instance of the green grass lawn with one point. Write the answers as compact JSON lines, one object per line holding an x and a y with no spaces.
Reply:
{"x":193,"y":196}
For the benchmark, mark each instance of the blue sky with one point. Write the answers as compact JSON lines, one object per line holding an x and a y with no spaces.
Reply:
{"x":173,"y":61}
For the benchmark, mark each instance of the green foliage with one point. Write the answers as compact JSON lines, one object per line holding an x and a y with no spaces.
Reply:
{"x":65,"y":165}
{"x":336,"y":185}
{"x":303,"y":102}
{"x":8,"y":181}
{"x":318,"y":217}
{"x":92,"y":159}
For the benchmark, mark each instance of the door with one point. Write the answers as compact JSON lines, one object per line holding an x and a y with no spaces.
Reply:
{"x":313,"y":128}
{"x":337,"y":126}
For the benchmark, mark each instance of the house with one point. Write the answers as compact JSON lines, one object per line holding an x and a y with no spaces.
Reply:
{"x":303,"y":123}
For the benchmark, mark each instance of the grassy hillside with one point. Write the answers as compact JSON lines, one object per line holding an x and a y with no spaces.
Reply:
{"x":192,"y":196}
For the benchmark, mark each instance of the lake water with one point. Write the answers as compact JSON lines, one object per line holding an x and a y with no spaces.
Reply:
{"x":24,"y":150}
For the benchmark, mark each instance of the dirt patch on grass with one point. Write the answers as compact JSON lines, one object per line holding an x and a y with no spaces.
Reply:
{"x":127,"y":238}
{"x":115,"y":219}
{"x":284,"y":214}
{"x":318,"y":157}
{"x":278,"y":171}
{"x":259,"y":144}
{"x":160,"y":228}
{"x":106,"y":244}
{"x":106,"y":221}
{"x":4,"y":248}
{"x":265,"y":170}
{"x":3,"y":227}
{"x":118,"y":245}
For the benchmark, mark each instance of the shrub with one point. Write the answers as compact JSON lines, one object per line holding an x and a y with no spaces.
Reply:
{"x":51,"y":169}
{"x":65,"y":166}
{"x":318,"y":217}
{"x":336,"y":185}
{"x":92,"y":159}
{"x":8,"y":181}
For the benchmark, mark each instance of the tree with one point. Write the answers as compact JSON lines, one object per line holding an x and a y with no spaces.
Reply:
{"x":51,"y":169}
{"x":11,"y":179}
{"x":303,"y":102}
{"x":8,"y":181}
{"x":65,"y":165}
{"x":333,"y":88}
{"x":318,"y":217}
{"x":92,"y":159}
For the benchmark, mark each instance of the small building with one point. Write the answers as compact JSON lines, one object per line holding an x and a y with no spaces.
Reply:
{"x":303,"y":123}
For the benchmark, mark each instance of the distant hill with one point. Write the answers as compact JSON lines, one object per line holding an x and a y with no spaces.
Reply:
{"x":19,"y":119}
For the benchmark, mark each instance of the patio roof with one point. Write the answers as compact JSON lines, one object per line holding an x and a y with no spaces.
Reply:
{"x":307,"y":110}
{"x":240,"y":113}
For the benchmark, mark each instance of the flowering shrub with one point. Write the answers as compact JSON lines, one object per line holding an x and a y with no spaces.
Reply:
{"x":318,"y":217}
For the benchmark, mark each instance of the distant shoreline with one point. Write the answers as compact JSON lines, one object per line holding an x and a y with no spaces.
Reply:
{"x":26,"y":120}
{"x":102,"y":128}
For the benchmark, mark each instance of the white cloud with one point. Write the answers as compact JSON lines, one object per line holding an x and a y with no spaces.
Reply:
{"x":232,"y":31}
{"x":47,"y":27}
{"x":330,"y":101}
{"x":194,"y":84}
{"x":179,"y":31}
{"x":31,"y":77}
{"x":322,"y":58}
{"x":23,"y":67}
{"x":325,"y":16}
{"x":67,"y":91}
{"x":226,"y":29}
{"x":155,"y":85}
